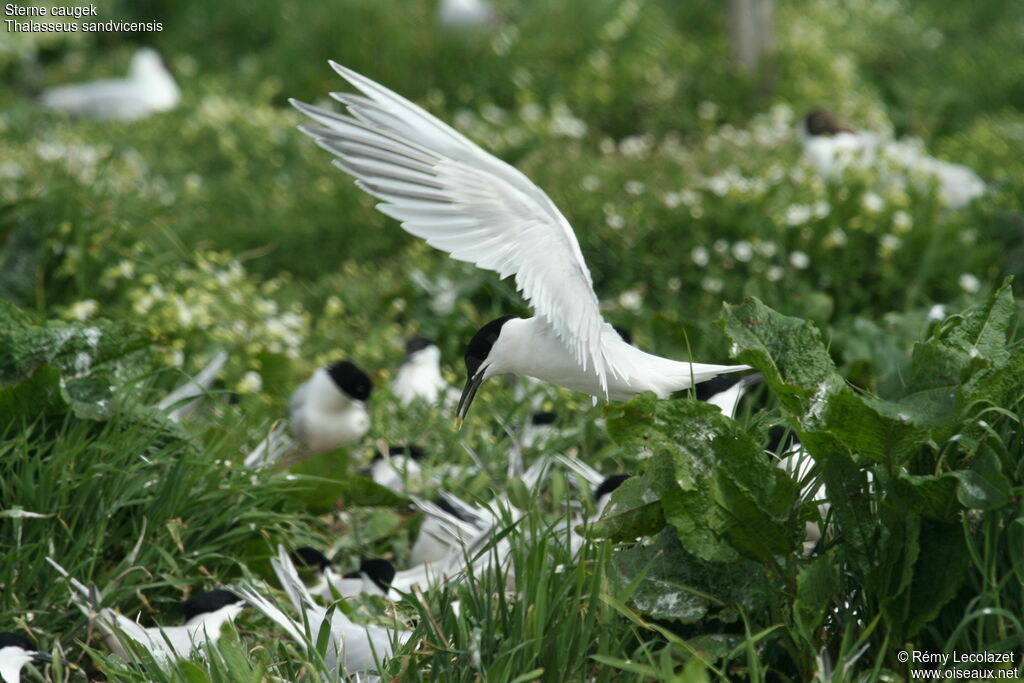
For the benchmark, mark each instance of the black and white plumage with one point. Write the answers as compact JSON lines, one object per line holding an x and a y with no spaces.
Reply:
{"x":15,"y":652}
{"x":352,"y":645}
{"x":329,"y":410}
{"x":398,"y":467}
{"x":419,"y":377}
{"x":205,"y":615}
{"x":460,"y":199}
{"x":372,"y":578}
{"x":149,"y":88}
{"x":832,"y":147}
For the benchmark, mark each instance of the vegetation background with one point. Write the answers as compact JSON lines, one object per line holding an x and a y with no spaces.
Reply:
{"x":131,"y":252}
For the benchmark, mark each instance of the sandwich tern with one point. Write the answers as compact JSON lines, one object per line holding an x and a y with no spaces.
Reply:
{"x":462,"y":200}
{"x":149,"y":88}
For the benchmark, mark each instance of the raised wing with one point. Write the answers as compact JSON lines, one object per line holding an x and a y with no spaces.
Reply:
{"x":462,"y":200}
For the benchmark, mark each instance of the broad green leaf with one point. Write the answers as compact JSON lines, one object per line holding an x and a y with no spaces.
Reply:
{"x":716,"y":486}
{"x":676,"y":584}
{"x":983,"y":486}
{"x":981,"y":332}
{"x":939,"y":571}
{"x":816,"y":586}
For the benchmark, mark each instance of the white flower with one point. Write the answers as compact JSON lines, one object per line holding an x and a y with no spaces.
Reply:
{"x":890,"y":243}
{"x":84,"y":309}
{"x":631,"y":300}
{"x":712,"y":285}
{"x":672,"y":199}
{"x":635,"y":187}
{"x":699,"y":256}
{"x":590,"y":182}
{"x":799,"y":260}
{"x":250,"y":383}
{"x":720,"y":246}
{"x":837,"y":237}
{"x":872,"y":203}
{"x":821,"y":208}
{"x":742,"y":251}
{"x":937,"y":312}
{"x":902,"y":221}
{"x":798,"y":214}
{"x":774,"y":273}
{"x":707,"y":110}
{"x":969,"y":283}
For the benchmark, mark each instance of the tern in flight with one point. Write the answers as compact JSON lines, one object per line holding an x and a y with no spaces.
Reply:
{"x":464,"y":201}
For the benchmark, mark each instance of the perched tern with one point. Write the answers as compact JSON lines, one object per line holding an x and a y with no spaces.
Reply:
{"x":329,"y":410}
{"x":419,"y":377}
{"x":205,"y":616}
{"x":831,"y":147}
{"x":460,"y":199}
{"x":15,"y":652}
{"x":149,"y":88}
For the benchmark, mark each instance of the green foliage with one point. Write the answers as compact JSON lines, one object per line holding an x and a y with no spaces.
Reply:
{"x":135,"y":251}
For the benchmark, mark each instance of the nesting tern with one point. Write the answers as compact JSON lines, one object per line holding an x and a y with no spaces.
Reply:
{"x":831,"y":147}
{"x":419,"y":377}
{"x":329,"y":410}
{"x":398,"y":468}
{"x":205,"y":616}
{"x":149,"y":88}
{"x":462,"y":200}
{"x":355,"y":646}
{"x":372,"y":578}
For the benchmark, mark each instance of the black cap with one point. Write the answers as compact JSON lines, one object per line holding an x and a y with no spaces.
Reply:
{"x":350,"y":379}
{"x":208,"y":602}
{"x":610,"y":484}
{"x":310,"y":557}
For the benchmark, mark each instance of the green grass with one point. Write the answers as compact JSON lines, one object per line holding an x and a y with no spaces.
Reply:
{"x":219,"y":226}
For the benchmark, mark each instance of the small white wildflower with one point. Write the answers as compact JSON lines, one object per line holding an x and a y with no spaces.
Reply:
{"x":672,"y":199}
{"x":720,"y":246}
{"x":636,"y":145}
{"x":631,"y":300}
{"x":742,"y":251}
{"x":615,"y":221}
{"x":635,"y":187}
{"x":700,"y":256}
{"x":821,"y":208}
{"x":969,"y":283}
{"x":798,"y":214}
{"x":707,"y":110}
{"x":250,"y":383}
{"x":531,"y":112}
{"x":799,"y":260}
{"x":712,"y":284}
{"x":936,"y":313}
{"x":872,"y":203}
{"x":674,"y":284}
{"x":836,"y":238}
{"x":890,"y":243}
{"x":590,"y":183}
{"x":766,"y":249}
{"x":774,"y":273}
{"x":902,"y":221}
{"x":84,"y":309}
